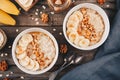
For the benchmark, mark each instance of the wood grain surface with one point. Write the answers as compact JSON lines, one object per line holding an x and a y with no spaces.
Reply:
{"x":27,"y":20}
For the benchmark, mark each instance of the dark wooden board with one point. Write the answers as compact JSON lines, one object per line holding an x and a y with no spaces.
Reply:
{"x":24,"y":21}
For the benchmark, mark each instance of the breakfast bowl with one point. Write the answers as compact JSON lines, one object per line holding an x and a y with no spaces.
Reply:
{"x":86,"y":26}
{"x":35,"y":51}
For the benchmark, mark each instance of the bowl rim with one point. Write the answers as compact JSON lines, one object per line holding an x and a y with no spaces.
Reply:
{"x":35,"y":30}
{"x":103,"y":15}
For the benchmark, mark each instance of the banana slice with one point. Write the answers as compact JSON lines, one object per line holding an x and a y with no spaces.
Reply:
{"x":31,"y":64}
{"x":77,"y":39}
{"x":33,"y":56}
{"x":74,"y":18}
{"x":26,"y":3}
{"x":22,"y":43}
{"x":27,"y":38}
{"x":73,"y":22}
{"x":84,"y":43}
{"x":24,"y":62}
{"x":71,"y":25}
{"x":21,"y":56}
{"x":36,"y":67}
{"x":69,"y":30}
{"x":72,"y":36}
{"x":20,"y":49}
{"x":79,"y":15}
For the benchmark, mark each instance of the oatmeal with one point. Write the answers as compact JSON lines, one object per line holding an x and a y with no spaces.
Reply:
{"x":85,"y":27}
{"x":35,"y":51}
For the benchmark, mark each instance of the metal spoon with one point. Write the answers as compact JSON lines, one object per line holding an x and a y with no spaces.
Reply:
{"x":67,"y":59}
{"x":74,"y":60}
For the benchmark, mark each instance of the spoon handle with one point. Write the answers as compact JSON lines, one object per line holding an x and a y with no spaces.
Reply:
{"x":54,"y":74}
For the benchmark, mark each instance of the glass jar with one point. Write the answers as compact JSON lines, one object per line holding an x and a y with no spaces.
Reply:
{"x":59,"y":5}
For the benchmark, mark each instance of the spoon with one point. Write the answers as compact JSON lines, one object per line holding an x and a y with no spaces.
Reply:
{"x":67,"y":59}
{"x":73,"y":59}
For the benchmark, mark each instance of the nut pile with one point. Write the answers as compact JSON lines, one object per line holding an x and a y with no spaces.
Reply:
{"x":85,"y":28}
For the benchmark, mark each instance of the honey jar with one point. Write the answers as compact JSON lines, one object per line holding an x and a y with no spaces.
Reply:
{"x":59,"y":5}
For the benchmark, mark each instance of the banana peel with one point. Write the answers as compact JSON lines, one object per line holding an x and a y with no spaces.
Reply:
{"x":6,"y":19}
{"x":9,"y":7}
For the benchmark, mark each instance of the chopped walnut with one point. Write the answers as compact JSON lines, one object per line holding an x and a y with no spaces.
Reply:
{"x":6,"y":79}
{"x":44,"y":17}
{"x":63,"y":48}
{"x":83,"y":10}
{"x":101,"y":1}
{"x":85,"y":28}
{"x":3,"y":65}
{"x":41,"y":60}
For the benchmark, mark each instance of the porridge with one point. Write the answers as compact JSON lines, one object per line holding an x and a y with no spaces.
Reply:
{"x":85,"y":27}
{"x":35,"y":51}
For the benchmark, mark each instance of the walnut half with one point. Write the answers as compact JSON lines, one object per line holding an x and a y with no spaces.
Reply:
{"x":63,"y":48}
{"x":6,"y":79}
{"x":3,"y":65}
{"x":101,"y":1}
{"x":44,"y":17}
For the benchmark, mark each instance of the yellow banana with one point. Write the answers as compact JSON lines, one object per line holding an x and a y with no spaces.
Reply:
{"x":6,"y":19}
{"x":9,"y":7}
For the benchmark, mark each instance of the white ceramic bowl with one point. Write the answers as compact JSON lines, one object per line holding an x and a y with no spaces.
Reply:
{"x":14,"y":47}
{"x":103,"y":15}
{"x":5,"y":39}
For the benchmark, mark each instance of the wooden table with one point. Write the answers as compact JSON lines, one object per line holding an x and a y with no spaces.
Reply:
{"x":27,"y":20}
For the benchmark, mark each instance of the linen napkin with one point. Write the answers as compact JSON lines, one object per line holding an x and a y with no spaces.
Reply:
{"x":106,"y":65}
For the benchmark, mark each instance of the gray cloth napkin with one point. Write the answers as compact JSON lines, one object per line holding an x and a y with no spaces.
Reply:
{"x":106,"y":65}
